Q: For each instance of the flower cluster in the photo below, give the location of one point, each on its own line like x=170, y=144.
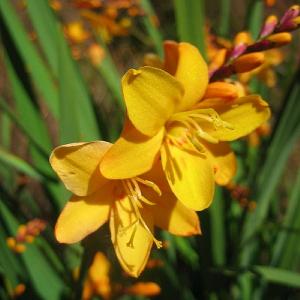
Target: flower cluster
x=246, y=55
x=26, y=234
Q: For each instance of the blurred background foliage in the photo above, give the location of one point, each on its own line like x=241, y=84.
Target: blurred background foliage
x=61, y=62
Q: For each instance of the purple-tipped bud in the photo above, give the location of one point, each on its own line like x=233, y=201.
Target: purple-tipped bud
x=286, y=23
x=269, y=26
x=238, y=50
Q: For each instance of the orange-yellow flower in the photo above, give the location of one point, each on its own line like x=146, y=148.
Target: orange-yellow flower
x=168, y=119
x=124, y=203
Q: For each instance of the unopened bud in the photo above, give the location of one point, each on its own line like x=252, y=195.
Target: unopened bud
x=270, y=3
x=286, y=22
x=221, y=90
x=242, y=38
x=19, y=290
x=96, y=54
x=20, y=248
x=217, y=61
x=248, y=62
x=146, y=289
x=29, y=238
x=11, y=242
x=269, y=26
x=280, y=39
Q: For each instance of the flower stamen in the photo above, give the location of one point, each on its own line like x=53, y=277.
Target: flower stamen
x=135, y=197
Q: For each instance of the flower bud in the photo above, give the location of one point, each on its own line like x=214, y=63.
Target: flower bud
x=217, y=61
x=242, y=38
x=221, y=90
x=147, y=289
x=248, y=62
x=280, y=39
x=269, y=26
x=96, y=54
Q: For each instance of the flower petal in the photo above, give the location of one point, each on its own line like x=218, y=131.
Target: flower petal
x=131, y=240
x=83, y=215
x=132, y=154
x=185, y=62
x=77, y=166
x=151, y=96
x=244, y=114
x=171, y=215
x=223, y=161
x=190, y=176
x=168, y=212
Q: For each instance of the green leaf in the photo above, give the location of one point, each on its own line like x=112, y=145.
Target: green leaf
x=77, y=117
x=255, y=17
x=217, y=229
x=190, y=21
x=38, y=71
x=279, y=276
x=224, y=23
x=47, y=29
x=153, y=32
x=19, y=164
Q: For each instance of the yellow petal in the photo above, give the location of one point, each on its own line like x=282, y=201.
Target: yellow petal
x=77, y=165
x=83, y=215
x=185, y=62
x=131, y=240
x=151, y=96
x=132, y=154
x=244, y=115
x=168, y=212
x=171, y=215
x=190, y=176
x=223, y=161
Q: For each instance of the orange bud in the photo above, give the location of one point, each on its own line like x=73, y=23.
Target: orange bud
x=96, y=54
x=242, y=38
x=29, y=238
x=264, y=129
x=22, y=230
x=20, y=248
x=146, y=289
x=218, y=60
x=221, y=90
x=11, y=243
x=248, y=62
x=253, y=139
x=270, y=2
x=153, y=263
x=19, y=290
x=56, y=5
x=280, y=39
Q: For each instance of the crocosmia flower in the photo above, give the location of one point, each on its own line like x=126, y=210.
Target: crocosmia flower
x=169, y=120
x=132, y=205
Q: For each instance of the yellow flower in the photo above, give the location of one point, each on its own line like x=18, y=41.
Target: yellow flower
x=167, y=117
x=124, y=203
